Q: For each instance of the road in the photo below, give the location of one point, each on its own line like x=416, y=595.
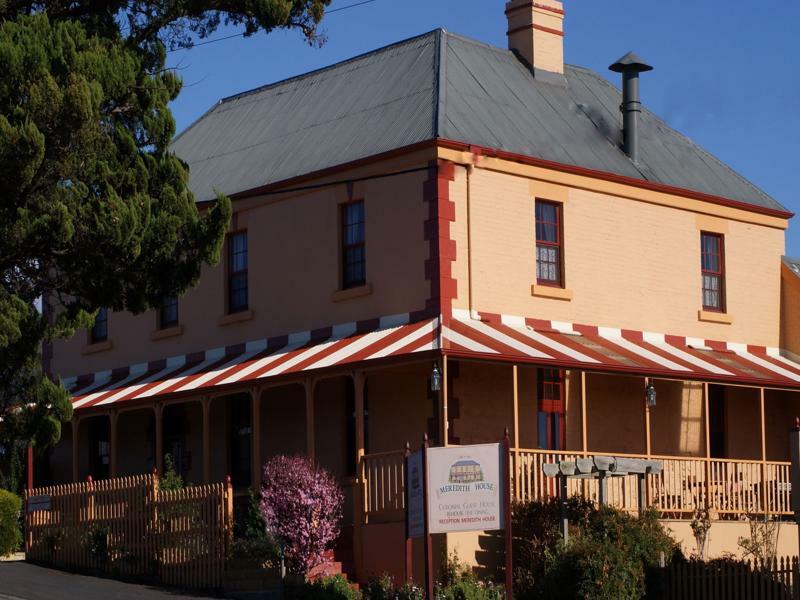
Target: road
x=23, y=581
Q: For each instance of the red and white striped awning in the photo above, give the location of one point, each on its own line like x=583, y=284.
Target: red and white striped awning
x=502, y=337
x=485, y=336
x=258, y=360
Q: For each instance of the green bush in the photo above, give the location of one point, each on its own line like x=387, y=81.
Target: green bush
x=250, y=537
x=410, y=591
x=607, y=557
x=332, y=587
x=379, y=588
x=96, y=541
x=538, y=538
x=10, y=534
x=458, y=582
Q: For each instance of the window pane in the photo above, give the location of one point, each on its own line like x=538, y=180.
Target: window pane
x=99, y=332
x=543, y=441
x=353, y=252
x=238, y=252
x=169, y=313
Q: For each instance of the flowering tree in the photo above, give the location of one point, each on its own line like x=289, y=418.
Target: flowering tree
x=302, y=507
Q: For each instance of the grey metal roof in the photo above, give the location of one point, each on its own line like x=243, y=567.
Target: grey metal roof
x=792, y=263
x=437, y=85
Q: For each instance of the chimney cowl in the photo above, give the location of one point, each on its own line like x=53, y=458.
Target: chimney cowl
x=630, y=63
x=630, y=66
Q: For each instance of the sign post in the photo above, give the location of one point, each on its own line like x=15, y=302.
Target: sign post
x=507, y=514
x=429, y=586
x=409, y=558
x=457, y=488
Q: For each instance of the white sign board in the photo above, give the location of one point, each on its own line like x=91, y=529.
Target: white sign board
x=38, y=503
x=416, y=496
x=465, y=488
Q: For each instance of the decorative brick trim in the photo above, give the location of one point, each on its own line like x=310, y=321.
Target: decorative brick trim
x=551, y=9
x=441, y=213
x=536, y=27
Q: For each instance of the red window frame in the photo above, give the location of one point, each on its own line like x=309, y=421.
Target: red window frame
x=708, y=273
x=551, y=415
x=556, y=245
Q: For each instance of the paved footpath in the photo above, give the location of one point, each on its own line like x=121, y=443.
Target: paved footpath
x=23, y=581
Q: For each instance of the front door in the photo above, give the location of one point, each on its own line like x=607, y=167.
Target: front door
x=551, y=414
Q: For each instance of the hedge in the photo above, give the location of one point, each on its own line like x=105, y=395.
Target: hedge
x=10, y=535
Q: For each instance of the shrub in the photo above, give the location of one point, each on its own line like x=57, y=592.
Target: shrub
x=302, y=506
x=458, y=582
x=379, y=588
x=10, y=534
x=607, y=559
x=332, y=587
x=410, y=591
x=251, y=539
x=607, y=556
x=538, y=537
x=170, y=480
x=96, y=541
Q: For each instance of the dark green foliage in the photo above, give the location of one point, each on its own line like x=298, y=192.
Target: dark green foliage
x=379, y=588
x=170, y=480
x=607, y=556
x=410, y=591
x=333, y=587
x=458, y=582
x=250, y=537
x=10, y=534
x=12, y=477
x=96, y=541
x=94, y=209
x=537, y=536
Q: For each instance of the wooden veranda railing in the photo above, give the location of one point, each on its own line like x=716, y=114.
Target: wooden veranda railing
x=732, y=488
x=129, y=527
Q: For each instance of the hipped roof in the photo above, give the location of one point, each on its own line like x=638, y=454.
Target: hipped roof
x=438, y=86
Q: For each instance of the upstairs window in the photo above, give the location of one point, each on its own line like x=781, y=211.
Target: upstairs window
x=712, y=266
x=168, y=313
x=237, y=272
x=549, y=244
x=99, y=331
x=354, y=265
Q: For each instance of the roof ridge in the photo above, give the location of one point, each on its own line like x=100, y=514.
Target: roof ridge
x=439, y=109
x=433, y=32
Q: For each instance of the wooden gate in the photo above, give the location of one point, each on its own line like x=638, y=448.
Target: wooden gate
x=127, y=527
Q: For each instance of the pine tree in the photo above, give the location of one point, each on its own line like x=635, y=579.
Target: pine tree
x=95, y=210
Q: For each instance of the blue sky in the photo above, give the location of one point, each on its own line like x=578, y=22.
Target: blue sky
x=727, y=74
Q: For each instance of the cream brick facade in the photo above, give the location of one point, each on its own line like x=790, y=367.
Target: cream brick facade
x=628, y=263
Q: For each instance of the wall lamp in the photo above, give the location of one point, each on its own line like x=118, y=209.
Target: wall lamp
x=650, y=395
x=436, y=378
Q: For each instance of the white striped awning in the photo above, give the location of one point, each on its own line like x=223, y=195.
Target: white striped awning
x=511, y=338
x=479, y=335
x=258, y=360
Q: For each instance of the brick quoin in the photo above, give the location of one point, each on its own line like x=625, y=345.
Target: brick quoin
x=442, y=253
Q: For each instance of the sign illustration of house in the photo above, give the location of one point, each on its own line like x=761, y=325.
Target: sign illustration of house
x=465, y=470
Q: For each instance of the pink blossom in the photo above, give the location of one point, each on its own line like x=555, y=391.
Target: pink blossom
x=302, y=506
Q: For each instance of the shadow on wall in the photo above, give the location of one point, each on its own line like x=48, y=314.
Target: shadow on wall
x=490, y=556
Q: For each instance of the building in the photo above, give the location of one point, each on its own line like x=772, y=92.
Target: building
x=441, y=205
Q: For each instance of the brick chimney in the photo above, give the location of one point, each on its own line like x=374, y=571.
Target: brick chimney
x=536, y=32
